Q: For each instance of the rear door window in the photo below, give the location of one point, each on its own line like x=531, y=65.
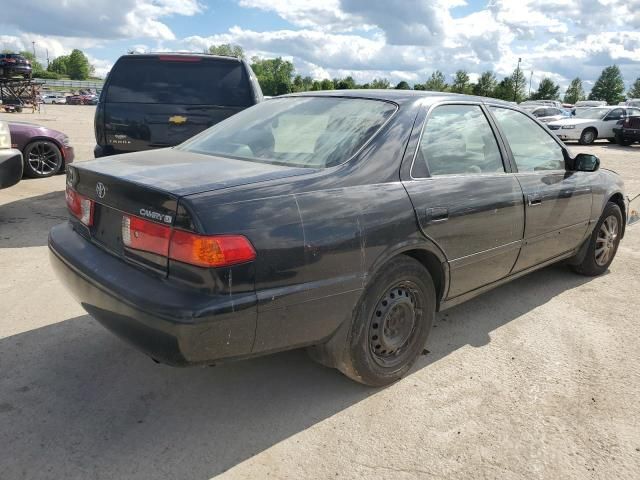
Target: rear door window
x=179, y=81
x=457, y=140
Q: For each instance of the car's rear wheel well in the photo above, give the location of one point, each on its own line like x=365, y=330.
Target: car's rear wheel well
x=618, y=199
x=434, y=267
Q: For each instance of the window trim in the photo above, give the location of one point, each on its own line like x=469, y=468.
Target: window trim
x=506, y=163
x=514, y=165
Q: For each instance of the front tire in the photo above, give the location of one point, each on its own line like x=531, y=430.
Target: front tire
x=42, y=159
x=620, y=140
x=391, y=324
x=603, y=243
x=588, y=136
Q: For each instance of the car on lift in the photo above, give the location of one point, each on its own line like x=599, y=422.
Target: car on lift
x=10, y=159
x=591, y=124
x=14, y=65
x=339, y=221
x=45, y=151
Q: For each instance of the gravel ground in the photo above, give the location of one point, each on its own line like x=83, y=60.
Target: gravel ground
x=536, y=379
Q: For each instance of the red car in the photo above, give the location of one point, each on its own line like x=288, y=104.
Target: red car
x=45, y=151
x=80, y=99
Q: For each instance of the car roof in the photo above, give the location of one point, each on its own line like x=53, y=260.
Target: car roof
x=399, y=96
x=155, y=55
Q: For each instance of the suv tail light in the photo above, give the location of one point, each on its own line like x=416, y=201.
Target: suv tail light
x=80, y=206
x=210, y=251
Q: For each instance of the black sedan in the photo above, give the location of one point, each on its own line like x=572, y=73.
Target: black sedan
x=627, y=131
x=336, y=221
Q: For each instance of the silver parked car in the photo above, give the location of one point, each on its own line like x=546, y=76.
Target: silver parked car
x=545, y=114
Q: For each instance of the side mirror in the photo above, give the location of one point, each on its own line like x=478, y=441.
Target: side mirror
x=585, y=162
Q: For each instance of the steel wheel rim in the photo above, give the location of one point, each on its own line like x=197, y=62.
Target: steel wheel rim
x=393, y=324
x=606, y=240
x=43, y=158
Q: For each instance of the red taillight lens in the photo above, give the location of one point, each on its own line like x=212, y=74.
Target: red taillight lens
x=143, y=235
x=80, y=206
x=210, y=251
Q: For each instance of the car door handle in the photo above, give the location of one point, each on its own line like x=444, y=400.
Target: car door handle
x=436, y=214
x=534, y=199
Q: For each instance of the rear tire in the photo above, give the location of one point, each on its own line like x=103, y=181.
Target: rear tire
x=588, y=136
x=603, y=243
x=390, y=326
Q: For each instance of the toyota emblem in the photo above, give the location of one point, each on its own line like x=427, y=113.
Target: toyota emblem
x=101, y=190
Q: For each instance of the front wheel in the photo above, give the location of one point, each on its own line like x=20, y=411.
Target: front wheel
x=603, y=243
x=391, y=324
x=42, y=158
x=588, y=136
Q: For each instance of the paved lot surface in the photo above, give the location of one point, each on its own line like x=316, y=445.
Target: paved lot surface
x=537, y=379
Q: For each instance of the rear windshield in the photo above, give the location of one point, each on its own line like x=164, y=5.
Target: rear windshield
x=190, y=81
x=313, y=132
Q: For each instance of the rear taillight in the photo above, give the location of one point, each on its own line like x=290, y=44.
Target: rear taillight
x=80, y=206
x=147, y=236
x=210, y=251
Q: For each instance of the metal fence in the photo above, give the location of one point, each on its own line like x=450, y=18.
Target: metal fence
x=75, y=84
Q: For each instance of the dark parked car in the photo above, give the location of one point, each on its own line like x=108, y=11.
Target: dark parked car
x=341, y=223
x=627, y=130
x=10, y=159
x=14, y=64
x=46, y=151
x=161, y=100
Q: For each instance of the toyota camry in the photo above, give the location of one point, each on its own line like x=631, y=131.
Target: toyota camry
x=341, y=222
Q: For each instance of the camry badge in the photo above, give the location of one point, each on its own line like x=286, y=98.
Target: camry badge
x=101, y=190
x=177, y=119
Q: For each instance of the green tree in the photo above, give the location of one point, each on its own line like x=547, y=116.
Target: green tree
x=486, y=84
x=326, y=84
x=380, y=83
x=547, y=90
x=635, y=89
x=437, y=82
x=347, y=83
x=403, y=86
x=227, y=50
x=609, y=87
x=78, y=67
x=461, y=83
x=518, y=86
x=504, y=89
x=574, y=92
x=36, y=66
x=274, y=75
x=59, y=65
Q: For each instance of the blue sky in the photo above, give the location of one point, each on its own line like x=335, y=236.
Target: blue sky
x=395, y=39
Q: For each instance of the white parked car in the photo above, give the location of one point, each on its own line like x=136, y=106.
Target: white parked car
x=545, y=114
x=590, y=124
x=590, y=103
x=633, y=102
x=54, y=98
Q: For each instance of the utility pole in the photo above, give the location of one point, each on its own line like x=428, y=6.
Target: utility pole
x=47, y=58
x=515, y=87
x=530, y=79
x=34, y=49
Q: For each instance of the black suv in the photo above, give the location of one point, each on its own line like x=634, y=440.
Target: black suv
x=14, y=64
x=627, y=130
x=160, y=100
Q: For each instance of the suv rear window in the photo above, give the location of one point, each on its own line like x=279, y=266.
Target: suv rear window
x=179, y=81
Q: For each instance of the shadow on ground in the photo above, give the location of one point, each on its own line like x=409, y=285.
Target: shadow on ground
x=26, y=222
x=76, y=402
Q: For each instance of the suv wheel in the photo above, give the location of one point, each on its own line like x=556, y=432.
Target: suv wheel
x=620, y=140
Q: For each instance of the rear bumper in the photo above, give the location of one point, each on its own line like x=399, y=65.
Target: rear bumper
x=171, y=324
x=7, y=70
x=10, y=167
